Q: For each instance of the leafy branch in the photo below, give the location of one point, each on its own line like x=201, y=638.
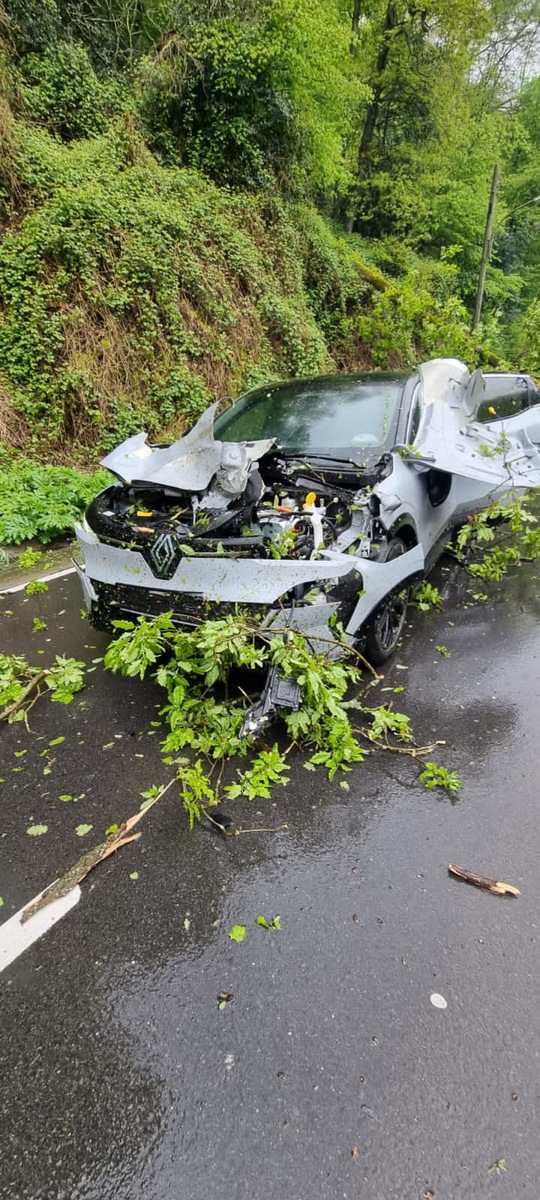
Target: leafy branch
x=21, y=684
x=196, y=666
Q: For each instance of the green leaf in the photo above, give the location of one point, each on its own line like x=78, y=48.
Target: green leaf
x=82, y=830
x=67, y=796
x=36, y=830
x=134, y=875
x=36, y=587
x=273, y=924
x=1, y=902
x=111, y=829
x=237, y=933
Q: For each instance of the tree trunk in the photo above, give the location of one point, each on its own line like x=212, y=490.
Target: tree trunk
x=391, y=21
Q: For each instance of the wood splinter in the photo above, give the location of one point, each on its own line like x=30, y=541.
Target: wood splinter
x=490, y=885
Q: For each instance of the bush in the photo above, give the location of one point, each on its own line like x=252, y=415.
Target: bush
x=42, y=502
x=64, y=93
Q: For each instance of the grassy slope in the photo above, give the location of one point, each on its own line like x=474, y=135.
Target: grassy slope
x=132, y=294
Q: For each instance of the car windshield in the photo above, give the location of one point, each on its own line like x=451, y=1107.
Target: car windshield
x=337, y=413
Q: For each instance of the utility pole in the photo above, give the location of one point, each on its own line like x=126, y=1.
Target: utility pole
x=487, y=248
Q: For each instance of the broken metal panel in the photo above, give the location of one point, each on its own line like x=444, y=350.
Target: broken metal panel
x=280, y=692
x=190, y=463
x=89, y=592
x=472, y=451
x=524, y=425
x=381, y=578
x=443, y=379
x=312, y=621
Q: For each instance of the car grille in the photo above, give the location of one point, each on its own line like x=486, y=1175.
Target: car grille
x=116, y=600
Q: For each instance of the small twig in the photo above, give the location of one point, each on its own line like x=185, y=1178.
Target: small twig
x=275, y=829
x=412, y=751
x=496, y=886
x=30, y=706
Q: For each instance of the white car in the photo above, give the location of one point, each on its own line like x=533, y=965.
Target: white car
x=313, y=501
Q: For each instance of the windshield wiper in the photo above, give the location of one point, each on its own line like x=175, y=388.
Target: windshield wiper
x=305, y=459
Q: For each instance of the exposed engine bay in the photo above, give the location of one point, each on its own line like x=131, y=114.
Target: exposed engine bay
x=280, y=513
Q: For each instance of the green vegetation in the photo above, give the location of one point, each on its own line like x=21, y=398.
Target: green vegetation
x=516, y=520
x=208, y=726
x=426, y=596
x=439, y=777
x=41, y=502
x=194, y=200
x=20, y=684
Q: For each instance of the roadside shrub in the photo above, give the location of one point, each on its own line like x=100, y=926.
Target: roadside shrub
x=42, y=502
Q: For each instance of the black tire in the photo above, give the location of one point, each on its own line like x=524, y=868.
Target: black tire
x=385, y=626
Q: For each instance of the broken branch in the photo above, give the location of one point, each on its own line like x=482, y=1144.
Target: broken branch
x=88, y=861
x=489, y=885
x=6, y=712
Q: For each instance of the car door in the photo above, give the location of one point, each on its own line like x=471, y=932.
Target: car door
x=511, y=405
x=485, y=461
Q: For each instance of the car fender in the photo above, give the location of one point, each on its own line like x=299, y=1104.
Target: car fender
x=381, y=578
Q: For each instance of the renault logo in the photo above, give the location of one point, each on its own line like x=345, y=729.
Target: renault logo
x=164, y=555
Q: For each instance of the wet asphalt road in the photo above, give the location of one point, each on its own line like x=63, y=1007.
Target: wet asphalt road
x=120, y=1077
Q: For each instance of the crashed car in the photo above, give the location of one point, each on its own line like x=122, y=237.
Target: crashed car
x=310, y=503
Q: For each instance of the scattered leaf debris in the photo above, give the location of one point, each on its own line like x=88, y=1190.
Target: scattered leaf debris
x=498, y=1166
x=82, y=830
x=224, y=998
x=36, y=830
x=275, y=923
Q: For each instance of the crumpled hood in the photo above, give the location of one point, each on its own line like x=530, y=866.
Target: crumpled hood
x=190, y=463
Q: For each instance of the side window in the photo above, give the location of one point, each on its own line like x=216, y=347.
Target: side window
x=414, y=419
x=504, y=396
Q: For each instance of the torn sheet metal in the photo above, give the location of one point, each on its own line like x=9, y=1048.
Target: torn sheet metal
x=190, y=463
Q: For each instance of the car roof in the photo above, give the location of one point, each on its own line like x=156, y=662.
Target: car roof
x=338, y=380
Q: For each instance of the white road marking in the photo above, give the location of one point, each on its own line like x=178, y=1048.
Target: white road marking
x=42, y=579
x=15, y=937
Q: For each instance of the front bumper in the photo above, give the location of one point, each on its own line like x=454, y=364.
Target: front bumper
x=117, y=581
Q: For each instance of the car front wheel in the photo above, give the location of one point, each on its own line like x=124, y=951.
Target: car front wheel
x=385, y=627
